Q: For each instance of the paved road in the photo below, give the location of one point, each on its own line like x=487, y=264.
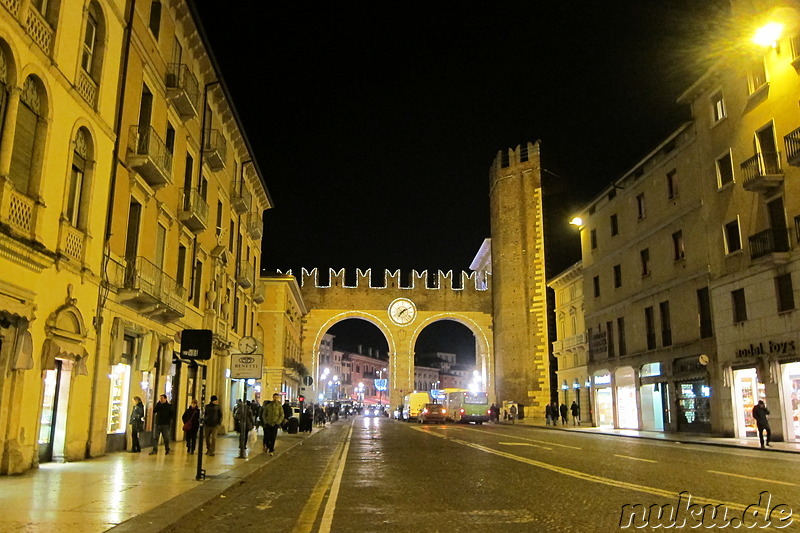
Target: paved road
x=380, y=475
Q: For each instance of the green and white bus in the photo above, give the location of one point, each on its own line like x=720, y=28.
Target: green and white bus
x=465, y=406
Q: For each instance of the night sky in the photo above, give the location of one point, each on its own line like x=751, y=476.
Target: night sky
x=376, y=131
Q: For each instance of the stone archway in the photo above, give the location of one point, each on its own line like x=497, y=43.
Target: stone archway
x=470, y=304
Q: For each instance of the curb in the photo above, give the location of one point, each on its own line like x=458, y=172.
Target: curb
x=661, y=439
x=172, y=511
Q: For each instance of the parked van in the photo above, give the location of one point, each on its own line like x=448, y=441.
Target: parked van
x=414, y=403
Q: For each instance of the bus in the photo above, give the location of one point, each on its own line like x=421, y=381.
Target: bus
x=465, y=406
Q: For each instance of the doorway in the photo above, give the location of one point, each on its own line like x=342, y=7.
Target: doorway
x=53, y=425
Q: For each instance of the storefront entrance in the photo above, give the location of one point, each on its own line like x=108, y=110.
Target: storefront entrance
x=746, y=393
x=694, y=406
x=654, y=399
x=790, y=375
x=627, y=411
x=52, y=430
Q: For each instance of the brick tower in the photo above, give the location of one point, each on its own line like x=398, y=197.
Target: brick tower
x=518, y=277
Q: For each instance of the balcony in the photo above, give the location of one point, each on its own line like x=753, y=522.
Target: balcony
x=214, y=150
x=240, y=199
x=792, y=143
x=143, y=286
x=182, y=90
x=70, y=241
x=148, y=155
x=39, y=30
x=255, y=226
x=244, y=275
x=259, y=292
x=762, y=172
x=194, y=211
x=87, y=88
x=769, y=241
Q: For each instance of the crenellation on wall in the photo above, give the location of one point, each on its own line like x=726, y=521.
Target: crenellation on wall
x=468, y=281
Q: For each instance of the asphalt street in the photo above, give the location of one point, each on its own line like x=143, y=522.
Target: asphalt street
x=377, y=475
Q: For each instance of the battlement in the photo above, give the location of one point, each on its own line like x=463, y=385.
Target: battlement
x=521, y=156
x=391, y=280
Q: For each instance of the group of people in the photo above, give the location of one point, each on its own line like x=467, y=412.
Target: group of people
x=162, y=422
x=552, y=412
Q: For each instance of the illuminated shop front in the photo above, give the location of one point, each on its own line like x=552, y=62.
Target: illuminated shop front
x=790, y=401
x=627, y=412
x=654, y=395
x=603, y=400
x=53, y=424
x=747, y=391
x=692, y=395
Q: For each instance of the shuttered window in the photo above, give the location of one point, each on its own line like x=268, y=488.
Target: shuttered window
x=24, y=143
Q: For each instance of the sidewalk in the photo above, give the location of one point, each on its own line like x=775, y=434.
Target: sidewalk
x=98, y=494
x=687, y=438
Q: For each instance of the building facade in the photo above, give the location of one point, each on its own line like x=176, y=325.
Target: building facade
x=130, y=210
x=571, y=348
x=690, y=260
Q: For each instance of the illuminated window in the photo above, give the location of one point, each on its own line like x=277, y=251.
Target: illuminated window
x=717, y=107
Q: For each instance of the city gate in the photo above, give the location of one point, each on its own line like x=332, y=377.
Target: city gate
x=400, y=313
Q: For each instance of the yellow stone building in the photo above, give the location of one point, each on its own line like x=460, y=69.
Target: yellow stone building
x=58, y=93
x=127, y=214
x=281, y=318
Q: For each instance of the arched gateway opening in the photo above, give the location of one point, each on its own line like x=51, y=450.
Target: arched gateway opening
x=401, y=314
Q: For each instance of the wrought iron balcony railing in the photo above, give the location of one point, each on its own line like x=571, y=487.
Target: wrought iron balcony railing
x=762, y=172
x=183, y=89
x=194, y=211
x=149, y=156
x=214, y=149
x=792, y=143
x=240, y=198
x=769, y=241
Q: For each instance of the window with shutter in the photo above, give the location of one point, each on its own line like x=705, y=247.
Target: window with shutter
x=25, y=137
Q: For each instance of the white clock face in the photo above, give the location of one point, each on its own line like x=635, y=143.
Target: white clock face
x=248, y=345
x=402, y=311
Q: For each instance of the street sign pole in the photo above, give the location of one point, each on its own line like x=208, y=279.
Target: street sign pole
x=244, y=367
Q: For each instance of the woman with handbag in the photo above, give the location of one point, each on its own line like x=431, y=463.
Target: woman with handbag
x=191, y=423
x=137, y=424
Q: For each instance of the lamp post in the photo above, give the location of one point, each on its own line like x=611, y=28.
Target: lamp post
x=379, y=386
x=589, y=397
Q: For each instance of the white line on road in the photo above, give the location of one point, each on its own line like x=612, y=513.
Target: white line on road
x=753, y=478
x=330, y=507
x=635, y=458
x=524, y=444
x=525, y=439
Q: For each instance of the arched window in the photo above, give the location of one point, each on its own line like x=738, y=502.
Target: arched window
x=81, y=165
x=93, y=41
x=25, y=135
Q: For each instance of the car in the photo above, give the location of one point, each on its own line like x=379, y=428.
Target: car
x=433, y=412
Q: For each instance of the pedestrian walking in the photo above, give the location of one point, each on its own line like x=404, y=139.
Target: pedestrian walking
x=760, y=413
x=554, y=410
x=548, y=413
x=246, y=422
x=287, y=414
x=137, y=424
x=576, y=413
x=563, y=410
x=273, y=416
x=191, y=424
x=211, y=421
x=496, y=412
x=162, y=417
x=512, y=411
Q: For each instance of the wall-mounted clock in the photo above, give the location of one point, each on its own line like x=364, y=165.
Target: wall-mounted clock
x=248, y=345
x=402, y=311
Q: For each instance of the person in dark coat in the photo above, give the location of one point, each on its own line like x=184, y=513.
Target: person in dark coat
x=548, y=413
x=137, y=424
x=576, y=413
x=212, y=421
x=287, y=414
x=554, y=410
x=563, y=410
x=162, y=416
x=191, y=423
x=760, y=413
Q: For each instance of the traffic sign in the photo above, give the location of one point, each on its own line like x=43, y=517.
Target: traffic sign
x=196, y=344
x=246, y=366
x=308, y=381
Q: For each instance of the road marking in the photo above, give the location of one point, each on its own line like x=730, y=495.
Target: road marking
x=525, y=438
x=524, y=444
x=305, y=522
x=330, y=507
x=635, y=458
x=590, y=477
x=753, y=478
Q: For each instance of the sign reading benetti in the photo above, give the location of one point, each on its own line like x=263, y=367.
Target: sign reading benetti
x=246, y=366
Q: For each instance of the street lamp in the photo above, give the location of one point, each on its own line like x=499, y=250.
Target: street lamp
x=565, y=388
x=768, y=34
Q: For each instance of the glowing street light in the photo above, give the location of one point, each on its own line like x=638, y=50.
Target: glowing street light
x=768, y=34
x=576, y=221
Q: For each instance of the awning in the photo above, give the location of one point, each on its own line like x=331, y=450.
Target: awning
x=63, y=348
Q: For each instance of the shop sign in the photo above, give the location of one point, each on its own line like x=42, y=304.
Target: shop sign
x=246, y=366
x=602, y=380
x=770, y=348
x=598, y=345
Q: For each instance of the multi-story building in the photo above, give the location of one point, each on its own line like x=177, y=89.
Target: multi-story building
x=690, y=260
x=571, y=348
x=130, y=210
x=58, y=93
x=280, y=318
x=184, y=227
